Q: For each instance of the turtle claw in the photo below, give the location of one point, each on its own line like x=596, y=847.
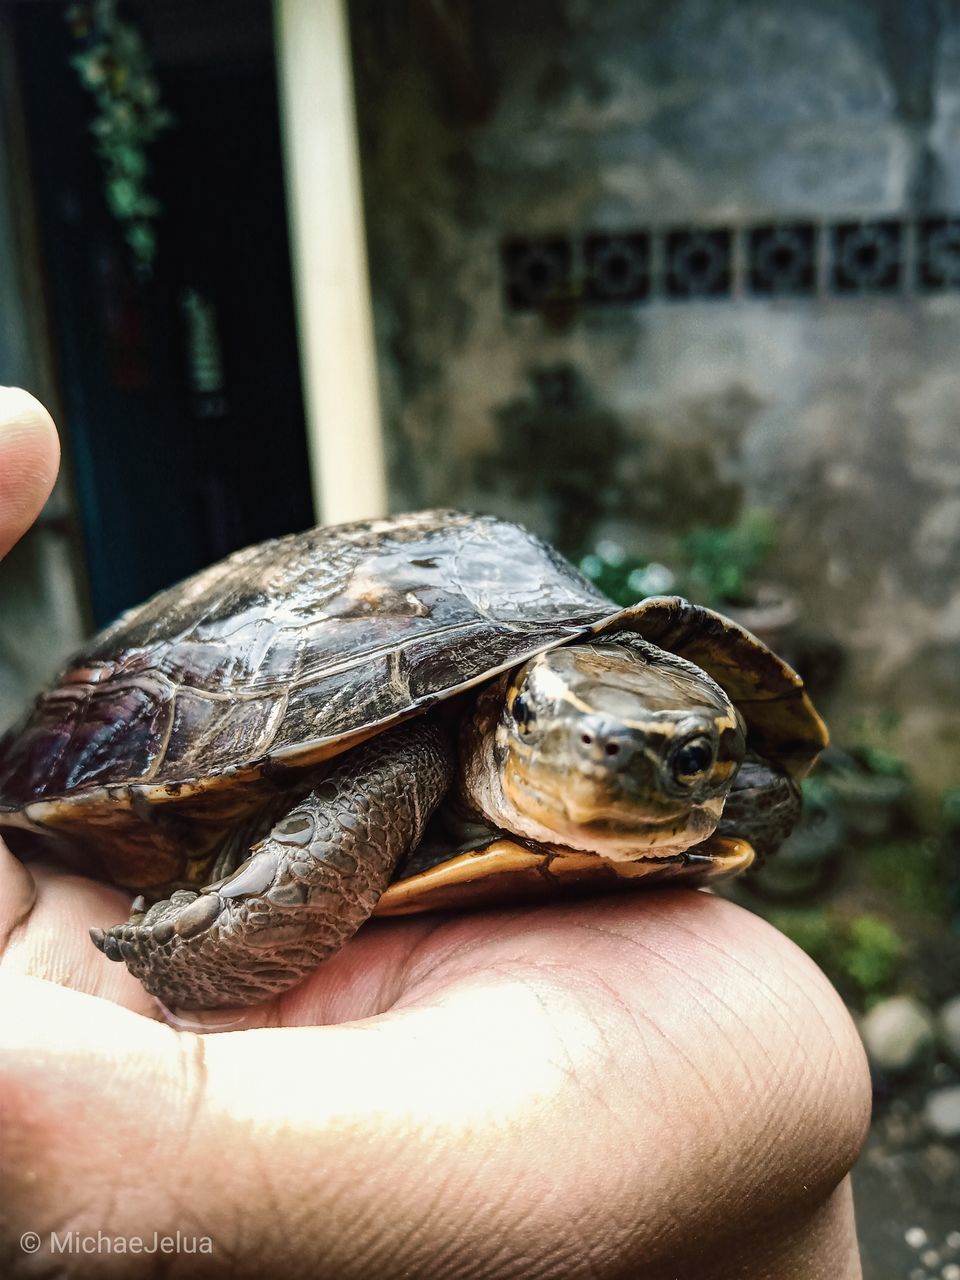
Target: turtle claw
x=107, y=943
x=184, y=915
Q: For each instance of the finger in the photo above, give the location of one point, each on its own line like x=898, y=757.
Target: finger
x=18, y=893
x=44, y=917
x=29, y=458
x=679, y=1080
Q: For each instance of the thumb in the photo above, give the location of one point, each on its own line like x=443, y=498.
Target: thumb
x=29, y=459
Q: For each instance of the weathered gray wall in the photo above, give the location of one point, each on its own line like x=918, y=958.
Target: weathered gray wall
x=842, y=415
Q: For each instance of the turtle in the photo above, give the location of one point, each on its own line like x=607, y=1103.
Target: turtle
x=432, y=710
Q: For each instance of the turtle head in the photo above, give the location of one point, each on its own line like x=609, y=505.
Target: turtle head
x=618, y=748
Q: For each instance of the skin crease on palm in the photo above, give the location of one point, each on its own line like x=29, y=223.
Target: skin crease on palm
x=655, y=1086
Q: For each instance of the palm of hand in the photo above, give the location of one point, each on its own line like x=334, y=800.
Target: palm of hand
x=651, y=1048
x=45, y=913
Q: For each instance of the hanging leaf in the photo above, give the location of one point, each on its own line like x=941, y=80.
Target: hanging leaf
x=113, y=65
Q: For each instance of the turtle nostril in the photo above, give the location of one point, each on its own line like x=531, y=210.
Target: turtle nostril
x=603, y=743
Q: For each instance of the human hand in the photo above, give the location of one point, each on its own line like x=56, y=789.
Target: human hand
x=653, y=1086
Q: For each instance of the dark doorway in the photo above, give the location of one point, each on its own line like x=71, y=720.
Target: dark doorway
x=181, y=392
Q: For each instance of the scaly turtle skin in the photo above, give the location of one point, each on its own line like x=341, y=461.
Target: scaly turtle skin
x=432, y=710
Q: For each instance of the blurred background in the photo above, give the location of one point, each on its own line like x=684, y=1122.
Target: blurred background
x=675, y=284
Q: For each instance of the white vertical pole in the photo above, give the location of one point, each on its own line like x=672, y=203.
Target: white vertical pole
x=328, y=249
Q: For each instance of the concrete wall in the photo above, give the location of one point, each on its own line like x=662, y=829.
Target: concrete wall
x=838, y=413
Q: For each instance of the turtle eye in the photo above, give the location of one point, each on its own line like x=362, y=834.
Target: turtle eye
x=692, y=760
x=523, y=713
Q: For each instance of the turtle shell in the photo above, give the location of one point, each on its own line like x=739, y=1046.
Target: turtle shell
x=293, y=650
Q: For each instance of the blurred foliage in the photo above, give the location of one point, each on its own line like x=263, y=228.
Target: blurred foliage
x=871, y=953
x=877, y=918
x=114, y=67
x=862, y=955
x=879, y=762
x=624, y=578
x=910, y=869
x=713, y=565
x=871, y=788
x=810, y=928
x=817, y=793
x=951, y=809
x=719, y=563
x=872, y=749
x=892, y=863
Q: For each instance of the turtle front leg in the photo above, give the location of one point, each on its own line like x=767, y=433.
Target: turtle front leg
x=306, y=887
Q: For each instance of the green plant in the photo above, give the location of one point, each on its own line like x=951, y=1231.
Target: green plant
x=717, y=564
x=817, y=793
x=811, y=929
x=720, y=560
x=872, y=744
x=623, y=577
x=872, y=954
x=951, y=809
x=872, y=789
x=861, y=955
x=908, y=869
x=114, y=67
